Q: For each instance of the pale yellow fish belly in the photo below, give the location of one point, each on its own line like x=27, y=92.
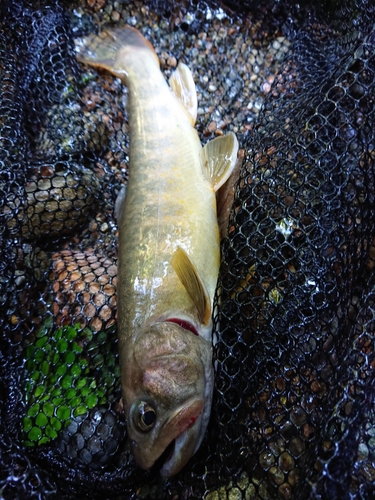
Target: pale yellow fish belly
x=168, y=204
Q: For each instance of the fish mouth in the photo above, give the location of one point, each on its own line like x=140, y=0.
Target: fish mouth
x=166, y=456
x=176, y=442
x=180, y=450
x=184, y=428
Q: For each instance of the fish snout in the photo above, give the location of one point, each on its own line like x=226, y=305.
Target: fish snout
x=174, y=441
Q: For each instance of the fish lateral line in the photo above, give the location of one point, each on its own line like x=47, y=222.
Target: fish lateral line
x=186, y=325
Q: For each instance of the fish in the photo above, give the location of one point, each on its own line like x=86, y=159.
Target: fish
x=168, y=252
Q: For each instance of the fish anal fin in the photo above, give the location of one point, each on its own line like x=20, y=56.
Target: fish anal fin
x=189, y=277
x=225, y=196
x=218, y=158
x=183, y=86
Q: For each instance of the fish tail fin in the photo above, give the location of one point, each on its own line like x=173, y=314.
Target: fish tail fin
x=110, y=49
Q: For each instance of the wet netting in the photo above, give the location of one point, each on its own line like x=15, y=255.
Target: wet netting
x=293, y=411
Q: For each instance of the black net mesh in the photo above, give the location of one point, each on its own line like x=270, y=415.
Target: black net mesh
x=295, y=306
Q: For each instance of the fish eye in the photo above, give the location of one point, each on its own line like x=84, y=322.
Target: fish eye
x=144, y=417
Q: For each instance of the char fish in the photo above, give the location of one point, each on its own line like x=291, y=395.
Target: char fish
x=169, y=252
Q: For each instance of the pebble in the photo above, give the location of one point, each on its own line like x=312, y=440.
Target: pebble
x=212, y=127
x=172, y=62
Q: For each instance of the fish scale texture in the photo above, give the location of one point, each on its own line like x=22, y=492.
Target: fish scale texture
x=293, y=411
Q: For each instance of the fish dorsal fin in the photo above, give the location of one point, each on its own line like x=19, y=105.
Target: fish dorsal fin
x=189, y=277
x=218, y=159
x=183, y=86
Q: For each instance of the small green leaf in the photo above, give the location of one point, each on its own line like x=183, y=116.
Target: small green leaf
x=41, y=420
x=55, y=423
x=55, y=358
x=66, y=382
x=87, y=334
x=83, y=362
x=71, y=333
x=63, y=413
x=56, y=392
x=39, y=356
x=76, y=370
x=76, y=348
x=30, y=365
x=61, y=345
x=75, y=402
x=61, y=370
x=91, y=401
x=27, y=424
x=85, y=391
x=80, y=410
x=45, y=367
x=35, y=434
x=98, y=361
x=81, y=383
x=41, y=342
x=39, y=390
x=101, y=338
x=33, y=410
x=70, y=358
x=50, y=432
x=43, y=440
x=29, y=351
x=58, y=334
x=48, y=409
x=70, y=393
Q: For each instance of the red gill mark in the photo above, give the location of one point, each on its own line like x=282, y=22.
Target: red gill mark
x=192, y=421
x=184, y=324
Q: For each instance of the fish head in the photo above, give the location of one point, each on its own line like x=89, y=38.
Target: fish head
x=167, y=392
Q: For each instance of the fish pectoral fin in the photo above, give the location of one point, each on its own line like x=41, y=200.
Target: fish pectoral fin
x=218, y=159
x=183, y=86
x=189, y=277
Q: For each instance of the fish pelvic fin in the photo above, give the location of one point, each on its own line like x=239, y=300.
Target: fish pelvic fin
x=120, y=205
x=189, y=277
x=218, y=158
x=106, y=51
x=183, y=86
x=225, y=196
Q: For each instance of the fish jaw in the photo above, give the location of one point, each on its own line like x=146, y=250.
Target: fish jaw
x=185, y=445
x=180, y=429
x=170, y=370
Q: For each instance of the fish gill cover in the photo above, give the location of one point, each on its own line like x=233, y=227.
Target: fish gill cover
x=293, y=404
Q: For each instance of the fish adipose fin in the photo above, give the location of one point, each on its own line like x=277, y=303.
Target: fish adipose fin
x=105, y=51
x=218, y=159
x=183, y=86
x=189, y=277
